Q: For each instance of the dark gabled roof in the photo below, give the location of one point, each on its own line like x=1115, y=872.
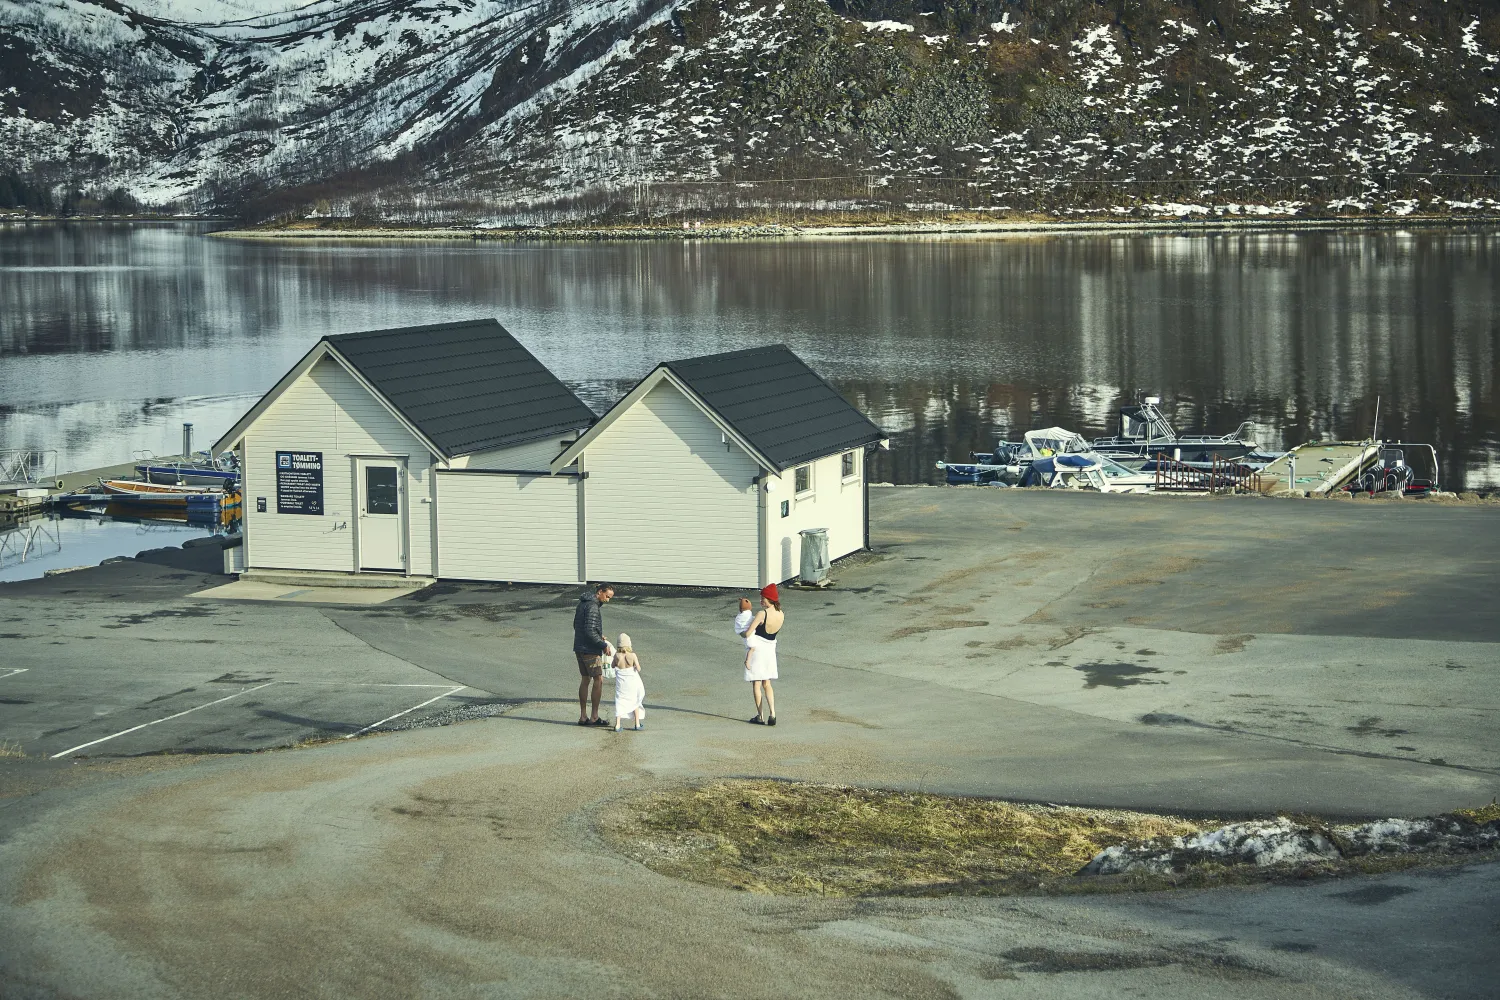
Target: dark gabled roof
x=468, y=386
x=774, y=401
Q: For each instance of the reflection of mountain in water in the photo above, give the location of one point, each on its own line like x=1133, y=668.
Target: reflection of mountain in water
x=949, y=343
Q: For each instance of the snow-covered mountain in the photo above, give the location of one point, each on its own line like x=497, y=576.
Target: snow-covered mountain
x=486, y=110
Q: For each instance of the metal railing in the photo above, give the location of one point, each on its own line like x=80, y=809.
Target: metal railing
x=1220, y=476
x=26, y=465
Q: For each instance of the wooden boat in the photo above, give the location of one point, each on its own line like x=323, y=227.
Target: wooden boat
x=161, y=494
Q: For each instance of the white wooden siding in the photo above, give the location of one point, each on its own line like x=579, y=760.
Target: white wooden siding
x=327, y=410
x=534, y=455
x=666, y=501
x=520, y=529
x=836, y=505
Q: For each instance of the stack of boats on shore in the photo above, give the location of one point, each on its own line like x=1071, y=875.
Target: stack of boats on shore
x=200, y=487
x=1132, y=461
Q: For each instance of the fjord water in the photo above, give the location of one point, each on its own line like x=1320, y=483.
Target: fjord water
x=112, y=335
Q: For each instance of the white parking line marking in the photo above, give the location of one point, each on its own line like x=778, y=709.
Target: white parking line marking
x=105, y=739
x=408, y=711
x=16, y=670
x=377, y=684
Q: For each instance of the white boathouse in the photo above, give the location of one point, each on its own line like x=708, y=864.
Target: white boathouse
x=415, y=451
x=451, y=451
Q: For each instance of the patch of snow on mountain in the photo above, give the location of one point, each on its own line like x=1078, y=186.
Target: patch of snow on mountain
x=1097, y=56
x=213, y=11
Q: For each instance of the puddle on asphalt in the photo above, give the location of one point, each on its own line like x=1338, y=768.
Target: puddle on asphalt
x=1115, y=675
x=1373, y=895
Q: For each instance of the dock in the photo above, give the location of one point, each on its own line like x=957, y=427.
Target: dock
x=20, y=499
x=1320, y=467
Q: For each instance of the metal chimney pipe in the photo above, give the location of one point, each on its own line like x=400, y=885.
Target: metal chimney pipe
x=187, y=442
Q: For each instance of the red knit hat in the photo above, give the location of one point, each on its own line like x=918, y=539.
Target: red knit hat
x=769, y=593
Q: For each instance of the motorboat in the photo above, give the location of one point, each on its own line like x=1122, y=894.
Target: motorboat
x=202, y=470
x=1145, y=433
x=1008, y=463
x=1389, y=470
x=1078, y=471
x=1050, y=456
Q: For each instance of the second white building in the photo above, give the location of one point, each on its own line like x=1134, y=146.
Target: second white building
x=708, y=470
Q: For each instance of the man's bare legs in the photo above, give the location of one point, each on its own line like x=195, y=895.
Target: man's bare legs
x=583, y=697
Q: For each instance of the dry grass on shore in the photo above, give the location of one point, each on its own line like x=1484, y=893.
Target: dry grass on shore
x=800, y=838
x=811, y=839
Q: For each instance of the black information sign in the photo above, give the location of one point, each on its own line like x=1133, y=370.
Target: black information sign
x=299, y=482
x=260, y=505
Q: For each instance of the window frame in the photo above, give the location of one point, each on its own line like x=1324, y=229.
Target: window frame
x=852, y=456
x=394, y=502
x=811, y=482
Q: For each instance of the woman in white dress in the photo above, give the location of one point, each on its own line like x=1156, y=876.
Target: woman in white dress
x=630, y=690
x=760, y=665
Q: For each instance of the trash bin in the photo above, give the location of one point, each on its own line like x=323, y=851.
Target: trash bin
x=814, y=557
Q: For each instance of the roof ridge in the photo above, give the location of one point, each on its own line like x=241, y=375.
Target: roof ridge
x=421, y=328
x=480, y=384
x=777, y=402
x=764, y=348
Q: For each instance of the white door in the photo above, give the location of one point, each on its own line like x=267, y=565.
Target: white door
x=381, y=500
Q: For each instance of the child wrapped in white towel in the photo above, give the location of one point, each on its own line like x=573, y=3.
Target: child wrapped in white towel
x=630, y=690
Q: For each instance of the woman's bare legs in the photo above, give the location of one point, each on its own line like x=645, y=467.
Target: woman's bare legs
x=770, y=699
x=755, y=690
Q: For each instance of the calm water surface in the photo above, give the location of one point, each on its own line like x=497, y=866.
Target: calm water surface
x=112, y=335
x=52, y=541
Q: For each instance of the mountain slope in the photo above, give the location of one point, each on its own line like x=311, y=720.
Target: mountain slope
x=498, y=110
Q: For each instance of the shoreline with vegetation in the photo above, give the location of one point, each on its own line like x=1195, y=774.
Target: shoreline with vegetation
x=812, y=229
x=803, y=228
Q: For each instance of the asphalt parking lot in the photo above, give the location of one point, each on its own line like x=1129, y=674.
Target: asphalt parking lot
x=148, y=850
x=94, y=673
x=1077, y=606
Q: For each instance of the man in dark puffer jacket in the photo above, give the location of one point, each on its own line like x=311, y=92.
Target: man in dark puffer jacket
x=589, y=645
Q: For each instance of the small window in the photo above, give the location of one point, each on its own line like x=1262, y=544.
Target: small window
x=851, y=468
x=803, y=480
x=786, y=508
x=381, y=491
